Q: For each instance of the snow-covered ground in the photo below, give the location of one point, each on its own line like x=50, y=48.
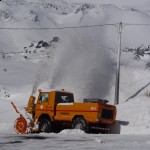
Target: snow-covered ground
x=73, y=140
x=79, y=60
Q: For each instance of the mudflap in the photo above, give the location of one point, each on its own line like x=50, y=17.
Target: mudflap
x=21, y=126
x=115, y=129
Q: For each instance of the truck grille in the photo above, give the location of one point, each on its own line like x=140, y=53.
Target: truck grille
x=107, y=114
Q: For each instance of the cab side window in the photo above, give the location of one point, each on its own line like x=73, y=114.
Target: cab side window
x=64, y=98
x=43, y=98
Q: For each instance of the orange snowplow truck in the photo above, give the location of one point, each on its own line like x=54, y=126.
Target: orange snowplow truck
x=56, y=110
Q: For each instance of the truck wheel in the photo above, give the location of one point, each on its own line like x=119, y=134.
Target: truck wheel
x=80, y=123
x=45, y=125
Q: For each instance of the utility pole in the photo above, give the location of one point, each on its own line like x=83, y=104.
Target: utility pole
x=119, y=28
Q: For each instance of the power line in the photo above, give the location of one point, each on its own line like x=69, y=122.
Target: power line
x=135, y=24
x=58, y=28
x=73, y=27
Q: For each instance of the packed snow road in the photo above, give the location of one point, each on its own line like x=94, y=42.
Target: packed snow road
x=73, y=140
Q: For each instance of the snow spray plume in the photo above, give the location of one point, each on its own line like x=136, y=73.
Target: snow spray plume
x=83, y=66
x=39, y=77
x=45, y=64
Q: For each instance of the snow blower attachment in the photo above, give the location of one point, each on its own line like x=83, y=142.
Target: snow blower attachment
x=25, y=123
x=21, y=126
x=56, y=110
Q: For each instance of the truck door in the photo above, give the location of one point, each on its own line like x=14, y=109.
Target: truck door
x=63, y=105
x=42, y=103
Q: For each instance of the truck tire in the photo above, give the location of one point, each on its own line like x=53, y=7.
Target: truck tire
x=45, y=125
x=80, y=123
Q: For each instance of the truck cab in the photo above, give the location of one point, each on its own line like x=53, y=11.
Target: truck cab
x=47, y=102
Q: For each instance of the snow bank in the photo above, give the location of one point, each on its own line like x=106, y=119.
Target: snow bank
x=134, y=116
x=6, y=128
x=72, y=132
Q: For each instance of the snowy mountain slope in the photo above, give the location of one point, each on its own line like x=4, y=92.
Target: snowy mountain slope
x=136, y=4
x=79, y=60
x=60, y=13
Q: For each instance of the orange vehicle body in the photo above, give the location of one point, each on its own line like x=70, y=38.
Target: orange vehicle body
x=57, y=109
